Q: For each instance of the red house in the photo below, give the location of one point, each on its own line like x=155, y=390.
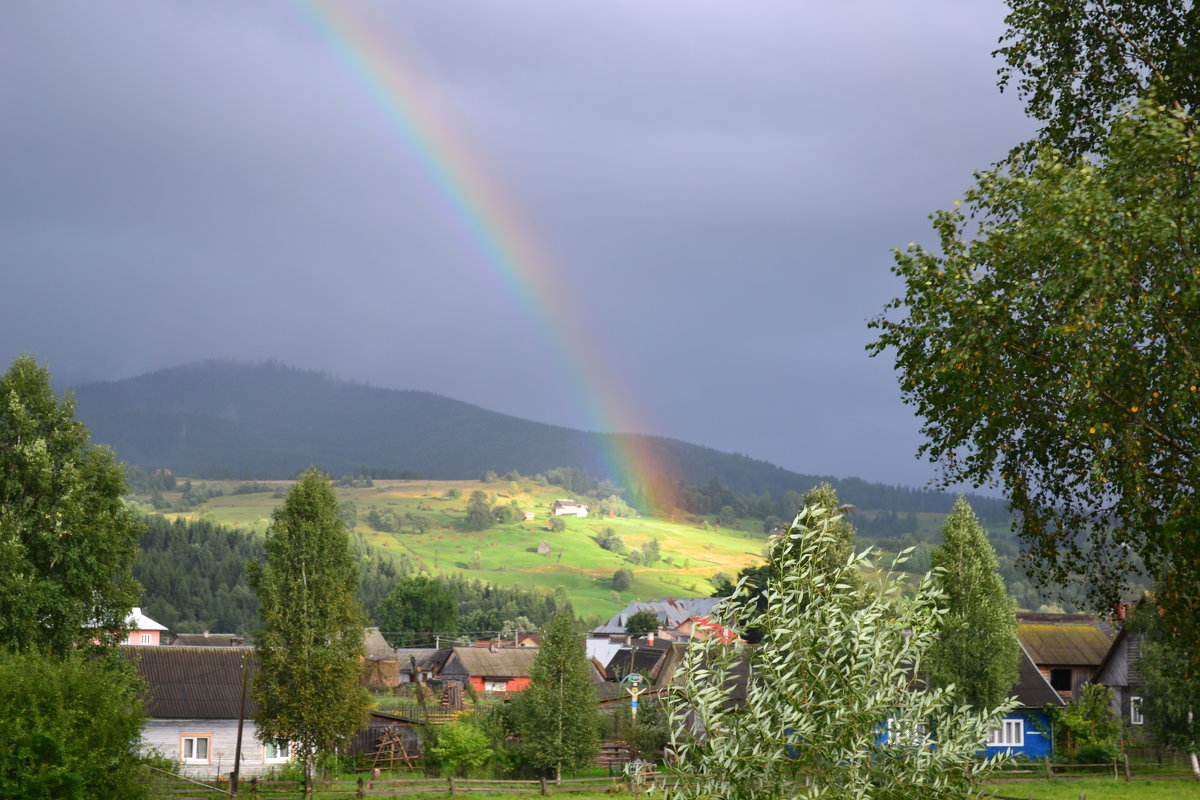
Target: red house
x=491, y=669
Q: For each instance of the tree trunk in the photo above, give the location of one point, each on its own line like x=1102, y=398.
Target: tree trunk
x=1195, y=765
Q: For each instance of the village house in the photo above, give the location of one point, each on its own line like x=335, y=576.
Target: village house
x=677, y=617
x=1026, y=730
x=1120, y=672
x=142, y=630
x=491, y=669
x=193, y=697
x=568, y=508
x=1067, y=648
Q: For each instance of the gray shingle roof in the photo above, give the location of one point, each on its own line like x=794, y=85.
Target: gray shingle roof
x=1063, y=639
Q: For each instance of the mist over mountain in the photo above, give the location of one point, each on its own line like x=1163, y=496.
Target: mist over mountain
x=223, y=419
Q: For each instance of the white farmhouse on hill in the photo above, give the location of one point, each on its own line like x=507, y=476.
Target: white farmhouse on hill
x=568, y=508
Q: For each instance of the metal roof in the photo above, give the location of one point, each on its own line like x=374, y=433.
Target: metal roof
x=671, y=611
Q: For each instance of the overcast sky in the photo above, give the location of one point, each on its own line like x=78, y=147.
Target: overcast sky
x=719, y=185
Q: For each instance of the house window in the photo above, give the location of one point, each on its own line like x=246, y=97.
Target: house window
x=1011, y=733
x=277, y=751
x=194, y=748
x=495, y=686
x=1060, y=679
x=1135, y=711
x=146, y=638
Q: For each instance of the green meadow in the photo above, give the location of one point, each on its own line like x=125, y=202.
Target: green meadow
x=508, y=552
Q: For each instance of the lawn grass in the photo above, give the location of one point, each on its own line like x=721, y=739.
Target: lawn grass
x=1184, y=788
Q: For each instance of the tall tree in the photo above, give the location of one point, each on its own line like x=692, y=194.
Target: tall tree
x=312, y=637
x=1057, y=349
x=67, y=540
x=417, y=608
x=1080, y=63
x=830, y=705
x=977, y=649
x=558, y=716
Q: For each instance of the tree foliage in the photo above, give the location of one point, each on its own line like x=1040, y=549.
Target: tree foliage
x=67, y=540
x=1171, y=699
x=831, y=707
x=417, y=608
x=641, y=623
x=312, y=636
x=977, y=650
x=1080, y=63
x=558, y=716
x=72, y=726
x=479, y=512
x=1057, y=350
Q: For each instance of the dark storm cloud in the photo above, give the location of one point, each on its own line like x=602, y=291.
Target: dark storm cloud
x=719, y=183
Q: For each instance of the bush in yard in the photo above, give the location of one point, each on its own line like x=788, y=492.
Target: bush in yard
x=462, y=746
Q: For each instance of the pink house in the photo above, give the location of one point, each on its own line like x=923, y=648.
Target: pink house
x=142, y=629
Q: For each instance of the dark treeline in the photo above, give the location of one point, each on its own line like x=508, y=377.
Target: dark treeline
x=486, y=607
x=709, y=498
x=193, y=574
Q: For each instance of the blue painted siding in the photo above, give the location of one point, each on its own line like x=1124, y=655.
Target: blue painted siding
x=1036, y=731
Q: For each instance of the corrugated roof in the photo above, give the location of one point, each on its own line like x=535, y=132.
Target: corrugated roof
x=505, y=662
x=1066, y=640
x=671, y=611
x=193, y=682
x=208, y=640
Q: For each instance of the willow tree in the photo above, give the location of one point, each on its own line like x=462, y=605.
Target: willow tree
x=828, y=704
x=977, y=651
x=311, y=641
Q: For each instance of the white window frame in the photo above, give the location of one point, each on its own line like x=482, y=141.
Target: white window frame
x=146, y=638
x=188, y=742
x=286, y=756
x=1135, y=711
x=1011, y=733
x=495, y=686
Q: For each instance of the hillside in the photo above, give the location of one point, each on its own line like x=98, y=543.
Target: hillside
x=218, y=419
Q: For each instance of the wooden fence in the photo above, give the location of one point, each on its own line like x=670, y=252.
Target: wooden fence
x=398, y=787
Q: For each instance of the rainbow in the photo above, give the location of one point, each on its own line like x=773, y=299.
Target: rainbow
x=491, y=220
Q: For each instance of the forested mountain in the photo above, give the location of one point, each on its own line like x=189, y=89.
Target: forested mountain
x=219, y=419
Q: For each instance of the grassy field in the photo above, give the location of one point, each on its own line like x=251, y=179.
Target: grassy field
x=508, y=553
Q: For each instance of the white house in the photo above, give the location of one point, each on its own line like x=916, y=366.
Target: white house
x=568, y=508
x=192, y=702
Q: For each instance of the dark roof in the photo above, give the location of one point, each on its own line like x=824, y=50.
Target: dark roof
x=193, y=682
x=427, y=658
x=208, y=640
x=1063, y=639
x=1032, y=689
x=642, y=660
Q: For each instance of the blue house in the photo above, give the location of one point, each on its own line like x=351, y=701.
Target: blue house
x=1026, y=731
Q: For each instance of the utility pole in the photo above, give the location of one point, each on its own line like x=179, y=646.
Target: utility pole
x=237, y=754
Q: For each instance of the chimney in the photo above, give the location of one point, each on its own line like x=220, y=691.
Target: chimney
x=650, y=638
